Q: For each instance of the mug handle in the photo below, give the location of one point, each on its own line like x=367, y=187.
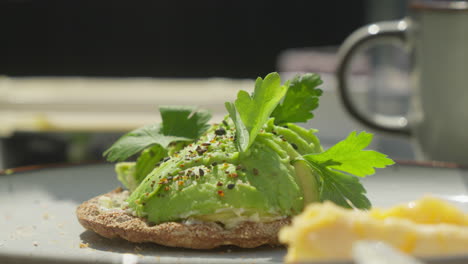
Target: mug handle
x=382, y=31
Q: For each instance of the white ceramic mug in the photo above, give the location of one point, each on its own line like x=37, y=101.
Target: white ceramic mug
x=435, y=34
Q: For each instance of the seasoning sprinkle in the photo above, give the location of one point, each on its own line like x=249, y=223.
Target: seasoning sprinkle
x=238, y=167
x=206, y=144
x=219, y=184
x=180, y=183
x=294, y=146
x=200, y=150
x=220, y=193
x=255, y=171
x=220, y=131
x=225, y=123
x=166, y=159
x=167, y=188
x=233, y=175
x=231, y=186
x=201, y=172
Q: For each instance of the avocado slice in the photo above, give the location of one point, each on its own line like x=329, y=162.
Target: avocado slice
x=308, y=181
x=210, y=181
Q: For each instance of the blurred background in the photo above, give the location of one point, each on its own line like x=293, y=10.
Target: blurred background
x=78, y=74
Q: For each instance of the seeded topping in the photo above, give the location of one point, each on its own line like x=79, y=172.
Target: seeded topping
x=231, y=186
x=166, y=159
x=200, y=150
x=294, y=146
x=201, y=172
x=220, y=131
x=220, y=193
x=219, y=184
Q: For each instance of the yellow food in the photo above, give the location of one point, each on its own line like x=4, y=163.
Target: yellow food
x=427, y=227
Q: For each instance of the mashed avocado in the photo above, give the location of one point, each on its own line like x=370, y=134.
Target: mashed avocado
x=210, y=180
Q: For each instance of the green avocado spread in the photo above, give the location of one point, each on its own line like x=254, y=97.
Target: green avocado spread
x=210, y=180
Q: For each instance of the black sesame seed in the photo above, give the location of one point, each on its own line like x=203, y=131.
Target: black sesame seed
x=214, y=164
x=231, y=186
x=220, y=131
x=200, y=150
x=201, y=172
x=166, y=159
x=255, y=171
x=219, y=184
x=285, y=126
x=206, y=144
x=294, y=146
x=225, y=123
x=274, y=133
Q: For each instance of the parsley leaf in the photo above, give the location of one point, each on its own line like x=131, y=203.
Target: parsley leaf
x=344, y=190
x=302, y=97
x=349, y=157
x=179, y=124
x=255, y=110
x=183, y=121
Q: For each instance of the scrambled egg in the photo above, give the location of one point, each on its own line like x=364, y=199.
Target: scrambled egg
x=427, y=227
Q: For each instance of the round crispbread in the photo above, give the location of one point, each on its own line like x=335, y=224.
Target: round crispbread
x=207, y=235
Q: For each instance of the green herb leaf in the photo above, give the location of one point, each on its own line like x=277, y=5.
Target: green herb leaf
x=347, y=156
x=300, y=100
x=179, y=124
x=344, y=190
x=184, y=121
x=255, y=110
x=137, y=140
x=147, y=161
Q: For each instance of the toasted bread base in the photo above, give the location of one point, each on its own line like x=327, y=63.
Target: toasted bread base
x=118, y=223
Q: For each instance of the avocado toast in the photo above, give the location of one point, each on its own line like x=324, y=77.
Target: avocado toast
x=201, y=186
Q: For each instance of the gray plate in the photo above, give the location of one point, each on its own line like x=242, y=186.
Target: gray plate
x=38, y=222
